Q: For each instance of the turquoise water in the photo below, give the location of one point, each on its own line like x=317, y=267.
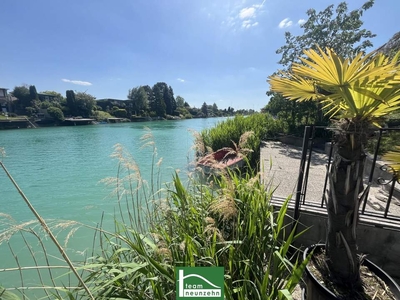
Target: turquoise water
x=60, y=168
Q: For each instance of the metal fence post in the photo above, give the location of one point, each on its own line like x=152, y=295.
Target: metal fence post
x=307, y=134
x=371, y=174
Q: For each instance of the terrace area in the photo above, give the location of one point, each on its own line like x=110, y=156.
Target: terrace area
x=301, y=173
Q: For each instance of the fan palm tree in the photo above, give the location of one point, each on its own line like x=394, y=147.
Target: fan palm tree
x=357, y=94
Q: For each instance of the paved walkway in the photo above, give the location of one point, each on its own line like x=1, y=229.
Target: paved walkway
x=280, y=164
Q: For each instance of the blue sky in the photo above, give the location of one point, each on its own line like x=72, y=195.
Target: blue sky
x=213, y=51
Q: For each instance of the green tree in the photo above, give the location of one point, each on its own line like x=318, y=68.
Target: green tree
x=150, y=97
x=23, y=96
x=180, y=102
x=71, y=102
x=338, y=30
x=360, y=92
x=84, y=104
x=120, y=113
x=159, y=106
x=204, y=109
x=164, y=96
x=58, y=97
x=56, y=113
x=294, y=113
x=215, y=109
x=139, y=98
x=169, y=100
x=33, y=93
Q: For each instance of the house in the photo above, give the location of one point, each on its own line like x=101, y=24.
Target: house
x=104, y=103
x=6, y=101
x=47, y=97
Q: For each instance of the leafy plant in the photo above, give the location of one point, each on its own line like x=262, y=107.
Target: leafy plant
x=360, y=92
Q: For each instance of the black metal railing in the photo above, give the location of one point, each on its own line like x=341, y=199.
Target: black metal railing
x=308, y=149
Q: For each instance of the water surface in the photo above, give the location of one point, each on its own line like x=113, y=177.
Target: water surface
x=60, y=169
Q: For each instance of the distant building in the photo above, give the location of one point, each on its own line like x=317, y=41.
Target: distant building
x=47, y=97
x=6, y=101
x=103, y=103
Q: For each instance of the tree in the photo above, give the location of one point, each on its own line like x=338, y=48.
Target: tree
x=58, y=97
x=169, y=100
x=71, y=102
x=84, y=104
x=215, y=109
x=120, y=113
x=23, y=96
x=33, y=93
x=159, y=106
x=360, y=92
x=204, y=109
x=294, y=113
x=150, y=97
x=180, y=102
x=340, y=32
x=56, y=113
x=164, y=95
x=139, y=97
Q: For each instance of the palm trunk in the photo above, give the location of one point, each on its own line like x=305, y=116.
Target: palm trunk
x=346, y=184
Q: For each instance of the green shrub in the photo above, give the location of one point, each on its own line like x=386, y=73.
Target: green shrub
x=56, y=113
x=100, y=115
x=264, y=126
x=30, y=111
x=120, y=113
x=389, y=142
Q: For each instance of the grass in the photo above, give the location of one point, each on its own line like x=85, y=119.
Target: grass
x=227, y=222
x=228, y=133
x=2, y=117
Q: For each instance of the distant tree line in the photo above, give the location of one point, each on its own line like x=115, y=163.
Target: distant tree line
x=142, y=102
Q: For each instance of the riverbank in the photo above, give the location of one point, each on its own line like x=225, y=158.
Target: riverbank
x=24, y=122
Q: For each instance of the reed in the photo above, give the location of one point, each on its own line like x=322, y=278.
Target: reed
x=229, y=132
x=227, y=222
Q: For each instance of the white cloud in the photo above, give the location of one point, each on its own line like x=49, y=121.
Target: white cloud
x=248, y=24
x=180, y=80
x=78, y=82
x=247, y=12
x=301, y=21
x=285, y=23
x=242, y=16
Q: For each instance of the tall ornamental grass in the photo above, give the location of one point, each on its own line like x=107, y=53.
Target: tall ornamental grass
x=228, y=132
x=227, y=222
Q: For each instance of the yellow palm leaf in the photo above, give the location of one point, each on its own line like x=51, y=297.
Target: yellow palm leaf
x=393, y=157
x=366, y=88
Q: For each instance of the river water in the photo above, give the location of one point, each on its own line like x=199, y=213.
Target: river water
x=60, y=168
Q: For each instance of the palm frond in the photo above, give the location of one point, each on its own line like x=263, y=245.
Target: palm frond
x=393, y=157
x=366, y=87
